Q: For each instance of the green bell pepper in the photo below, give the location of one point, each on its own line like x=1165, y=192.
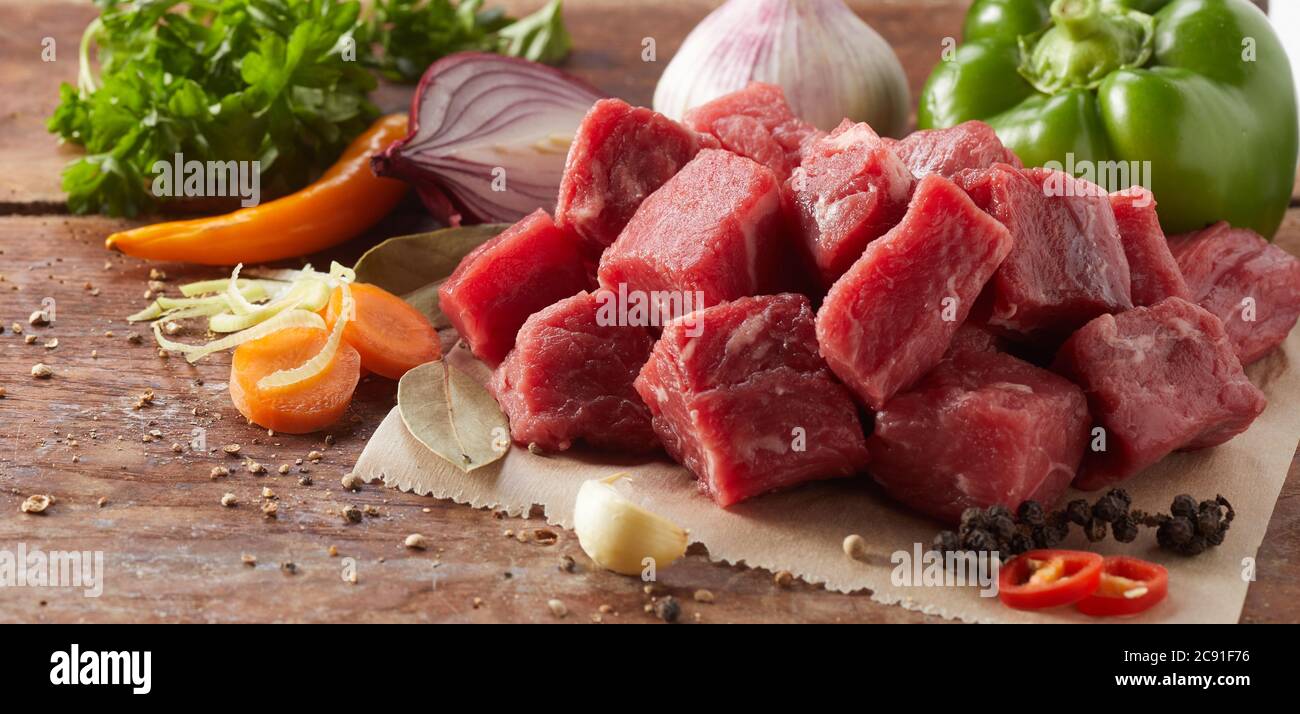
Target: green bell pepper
x=1200, y=89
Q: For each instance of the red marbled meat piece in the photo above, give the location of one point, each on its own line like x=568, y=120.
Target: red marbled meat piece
x=948, y=152
x=849, y=191
x=974, y=338
x=741, y=398
x=1154, y=272
x=569, y=378
x=716, y=228
x=983, y=428
x=755, y=122
x=619, y=156
x=1158, y=379
x=1224, y=266
x=1067, y=266
x=499, y=284
x=890, y=319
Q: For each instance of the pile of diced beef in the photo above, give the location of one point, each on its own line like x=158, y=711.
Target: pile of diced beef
x=771, y=305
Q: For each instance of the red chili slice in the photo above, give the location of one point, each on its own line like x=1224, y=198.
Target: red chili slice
x=1128, y=586
x=1049, y=578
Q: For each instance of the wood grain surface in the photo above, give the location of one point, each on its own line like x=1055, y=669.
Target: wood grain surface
x=173, y=553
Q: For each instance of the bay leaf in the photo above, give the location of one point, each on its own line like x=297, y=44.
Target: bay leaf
x=405, y=264
x=425, y=300
x=453, y=415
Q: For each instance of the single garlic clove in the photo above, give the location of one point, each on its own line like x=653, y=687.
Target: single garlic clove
x=620, y=535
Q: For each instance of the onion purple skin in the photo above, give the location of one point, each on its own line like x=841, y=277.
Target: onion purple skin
x=444, y=183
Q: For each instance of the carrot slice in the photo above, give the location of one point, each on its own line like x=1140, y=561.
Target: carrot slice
x=302, y=407
x=391, y=336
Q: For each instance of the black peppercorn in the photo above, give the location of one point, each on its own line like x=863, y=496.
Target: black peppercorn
x=972, y=518
x=1227, y=517
x=1047, y=537
x=1175, y=532
x=997, y=511
x=978, y=539
x=667, y=609
x=1003, y=527
x=1207, y=522
x=1184, y=506
x=1031, y=513
x=1095, y=530
x=1078, y=512
x=1195, y=546
x=1107, y=509
x=1121, y=495
x=1020, y=543
x=1125, y=529
x=947, y=542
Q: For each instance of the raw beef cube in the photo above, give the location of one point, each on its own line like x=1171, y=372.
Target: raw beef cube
x=569, y=378
x=500, y=283
x=982, y=428
x=741, y=398
x=619, y=156
x=755, y=122
x=849, y=190
x=716, y=231
x=947, y=152
x=890, y=319
x=1236, y=274
x=1067, y=266
x=974, y=338
x=1158, y=379
x=1155, y=274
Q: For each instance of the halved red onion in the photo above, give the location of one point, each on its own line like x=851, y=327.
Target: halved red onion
x=488, y=137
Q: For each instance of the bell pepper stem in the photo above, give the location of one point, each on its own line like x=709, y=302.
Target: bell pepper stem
x=1080, y=19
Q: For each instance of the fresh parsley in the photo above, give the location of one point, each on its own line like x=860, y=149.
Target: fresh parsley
x=283, y=82
x=412, y=34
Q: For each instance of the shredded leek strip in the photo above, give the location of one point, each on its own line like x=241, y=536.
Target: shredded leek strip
x=201, y=311
x=322, y=360
x=207, y=287
x=311, y=294
x=238, y=304
x=282, y=275
x=342, y=273
x=165, y=306
x=284, y=320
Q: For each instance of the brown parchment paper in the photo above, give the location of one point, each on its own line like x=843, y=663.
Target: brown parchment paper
x=802, y=530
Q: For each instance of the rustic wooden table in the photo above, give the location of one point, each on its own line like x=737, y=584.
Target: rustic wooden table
x=173, y=553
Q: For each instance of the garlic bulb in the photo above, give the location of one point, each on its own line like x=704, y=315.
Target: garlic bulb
x=830, y=63
x=618, y=534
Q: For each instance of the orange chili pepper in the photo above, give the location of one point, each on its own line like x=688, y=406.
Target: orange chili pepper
x=343, y=203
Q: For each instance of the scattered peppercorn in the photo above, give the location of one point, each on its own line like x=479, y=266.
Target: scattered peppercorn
x=667, y=609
